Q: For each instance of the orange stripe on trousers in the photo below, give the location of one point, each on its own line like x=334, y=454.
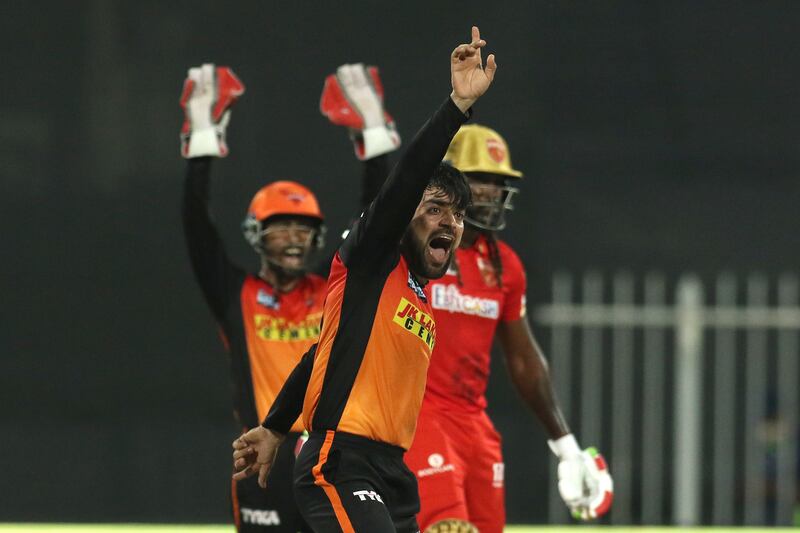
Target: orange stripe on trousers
x=330, y=490
x=235, y=503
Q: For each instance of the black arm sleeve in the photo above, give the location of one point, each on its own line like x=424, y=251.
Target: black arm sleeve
x=376, y=170
x=382, y=225
x=289, y=402
x=215, y=273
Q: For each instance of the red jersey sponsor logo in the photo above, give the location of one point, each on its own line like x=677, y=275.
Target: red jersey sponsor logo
x=437, y=466
x=413, y=320
x=449, y=298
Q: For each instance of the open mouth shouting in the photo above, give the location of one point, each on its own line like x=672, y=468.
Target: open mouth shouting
x=439, y=248
x=293, y=256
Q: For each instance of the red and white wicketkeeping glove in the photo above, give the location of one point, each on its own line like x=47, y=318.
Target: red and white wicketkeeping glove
x=207, y=97
x=353, y=97
x=584, y=482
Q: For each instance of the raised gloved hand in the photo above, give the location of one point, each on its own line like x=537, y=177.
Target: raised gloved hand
x=584, y=482
x=207, y=97
x=353, y=97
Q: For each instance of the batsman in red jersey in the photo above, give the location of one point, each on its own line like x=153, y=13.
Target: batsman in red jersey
x=456, y=454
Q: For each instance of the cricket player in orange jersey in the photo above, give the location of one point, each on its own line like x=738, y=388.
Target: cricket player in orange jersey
x=361, y=387
x=268, y=319
x=456, y=454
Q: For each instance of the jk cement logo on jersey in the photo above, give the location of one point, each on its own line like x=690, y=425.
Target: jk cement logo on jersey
x=449, y=298
x=410, y=318
x=272, y=328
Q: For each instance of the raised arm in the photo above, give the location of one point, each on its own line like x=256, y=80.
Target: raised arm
x=383, y=223
x=213, y=269
x=208, y=93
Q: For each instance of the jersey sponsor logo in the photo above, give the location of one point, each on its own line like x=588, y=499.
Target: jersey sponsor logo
x=449, y=298
x=273, y=328
x=435, y=460
x=498, y=474
x=437, y=466
x=260, y=517
x=416, y=322
x=363, y=495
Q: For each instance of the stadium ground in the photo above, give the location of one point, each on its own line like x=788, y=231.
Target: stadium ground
x=179, y=528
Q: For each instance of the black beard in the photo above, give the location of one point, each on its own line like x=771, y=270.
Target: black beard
x=414, y=251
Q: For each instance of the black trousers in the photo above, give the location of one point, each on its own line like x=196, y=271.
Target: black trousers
x=347, y=483
x=273, y=510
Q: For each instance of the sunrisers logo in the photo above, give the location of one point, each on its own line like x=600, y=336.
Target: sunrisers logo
x=271, y=328
x=415, y=321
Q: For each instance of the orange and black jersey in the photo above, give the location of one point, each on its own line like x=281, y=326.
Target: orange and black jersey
x=366, y=375
x=265, y=333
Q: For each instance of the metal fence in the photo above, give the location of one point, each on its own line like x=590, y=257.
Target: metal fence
x=688, y=386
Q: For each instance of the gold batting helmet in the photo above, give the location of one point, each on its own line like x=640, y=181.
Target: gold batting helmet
x=476, y=148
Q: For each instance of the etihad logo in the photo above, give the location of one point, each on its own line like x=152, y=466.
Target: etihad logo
x=416, y=322
x=437, y=466
x=272, y=328
x=449, y=298
x=260, y=517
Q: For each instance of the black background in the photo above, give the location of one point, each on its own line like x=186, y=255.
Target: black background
x=653, y=135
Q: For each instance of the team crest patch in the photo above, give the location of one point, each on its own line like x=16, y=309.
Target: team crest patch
x=416, y=287
x=496, y=149
x=267, y=300
x=488, y=273
x=410, y=318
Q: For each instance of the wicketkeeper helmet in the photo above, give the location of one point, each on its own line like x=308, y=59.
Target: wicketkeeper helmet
x=281, y=198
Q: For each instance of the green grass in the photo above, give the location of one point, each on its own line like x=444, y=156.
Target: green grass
x=161, y=528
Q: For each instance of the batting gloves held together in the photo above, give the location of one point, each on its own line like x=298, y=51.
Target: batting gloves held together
x=584, y=482
x=208, y=94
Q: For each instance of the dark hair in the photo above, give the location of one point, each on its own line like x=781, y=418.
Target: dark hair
x=452, y=183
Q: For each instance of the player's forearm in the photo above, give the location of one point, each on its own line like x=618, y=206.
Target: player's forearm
x=531, y=379
x=201, y=236
x=376, y=170
x=206, y=251
x=288, y=403
x=400, y=194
